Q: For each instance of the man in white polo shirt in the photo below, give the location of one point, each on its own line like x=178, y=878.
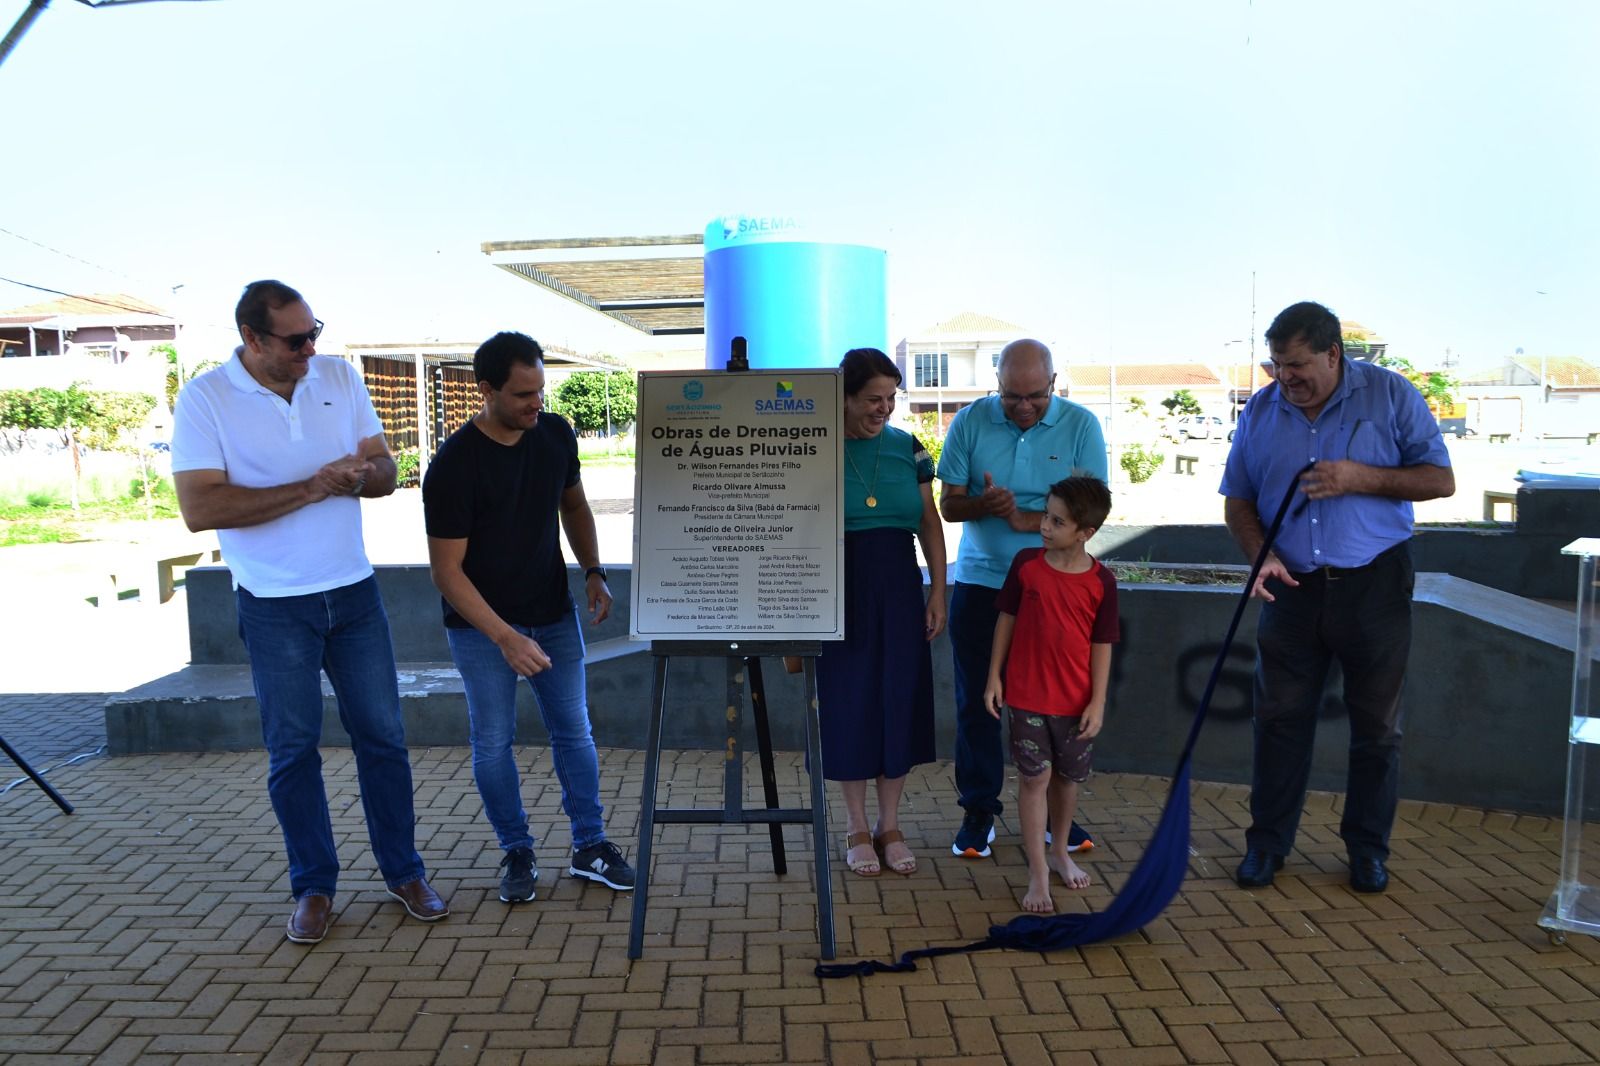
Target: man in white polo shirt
x=273, y=450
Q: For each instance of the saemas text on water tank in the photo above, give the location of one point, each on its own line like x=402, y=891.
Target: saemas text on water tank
x=738, y=530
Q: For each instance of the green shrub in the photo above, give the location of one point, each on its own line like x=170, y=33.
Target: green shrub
x=160, y=489
x=1141, y=463
x=929, y=432
x=406, y=463
x=43, y=498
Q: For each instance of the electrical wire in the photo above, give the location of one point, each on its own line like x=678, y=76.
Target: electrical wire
x=88, y=299
x=74, y=258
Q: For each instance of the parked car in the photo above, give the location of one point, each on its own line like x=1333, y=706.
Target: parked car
x=1197, y=427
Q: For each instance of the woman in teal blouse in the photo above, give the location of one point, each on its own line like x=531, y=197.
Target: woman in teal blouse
x=875, y=689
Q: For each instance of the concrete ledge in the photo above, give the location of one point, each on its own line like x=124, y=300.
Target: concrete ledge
x=213, y=707
x=1485, y=704
x=416, y=618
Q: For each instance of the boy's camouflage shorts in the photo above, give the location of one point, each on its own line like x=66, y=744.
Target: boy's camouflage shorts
x=1041, y=743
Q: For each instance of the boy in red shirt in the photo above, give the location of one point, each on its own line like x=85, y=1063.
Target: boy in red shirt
x=1058, y=620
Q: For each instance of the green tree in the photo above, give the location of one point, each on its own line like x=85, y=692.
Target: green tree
x=81, y=417
x=114, y=422
x=929, y=433
x=1437, y=387
x=176, y=378
x=595, y=400
x=63, y=410
x=1182, y=402
x=169, y=352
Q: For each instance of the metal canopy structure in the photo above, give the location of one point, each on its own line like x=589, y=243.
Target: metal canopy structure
x=655, y=285
x=459, y=354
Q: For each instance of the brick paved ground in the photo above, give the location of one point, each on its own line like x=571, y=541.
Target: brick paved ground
x=148, y=927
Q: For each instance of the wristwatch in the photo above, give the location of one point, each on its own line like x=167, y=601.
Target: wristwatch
x=593, y=570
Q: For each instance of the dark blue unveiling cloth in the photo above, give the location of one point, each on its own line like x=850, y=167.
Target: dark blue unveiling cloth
x=1160, y=872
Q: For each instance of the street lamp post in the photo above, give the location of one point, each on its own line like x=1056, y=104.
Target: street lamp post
x=177, y=335
x=1544, y=385
x=1243, y=385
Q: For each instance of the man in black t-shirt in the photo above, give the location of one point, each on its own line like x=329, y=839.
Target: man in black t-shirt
x=491, y=500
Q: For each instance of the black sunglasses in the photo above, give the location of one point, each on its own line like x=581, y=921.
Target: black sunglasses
x=296, y=341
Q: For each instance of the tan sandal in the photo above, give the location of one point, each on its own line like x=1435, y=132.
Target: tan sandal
x=866, y=867
x=880, y=844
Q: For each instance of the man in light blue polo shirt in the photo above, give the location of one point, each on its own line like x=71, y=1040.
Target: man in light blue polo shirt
x=1337, y=583
x=1000, y=458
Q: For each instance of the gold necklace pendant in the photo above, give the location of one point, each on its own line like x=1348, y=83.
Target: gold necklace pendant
x=872, y=489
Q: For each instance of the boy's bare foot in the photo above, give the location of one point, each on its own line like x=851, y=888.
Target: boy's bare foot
x=1070, y=872
x=1037, y=900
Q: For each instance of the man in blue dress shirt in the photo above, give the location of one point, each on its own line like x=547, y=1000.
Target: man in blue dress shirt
x=1338, y=581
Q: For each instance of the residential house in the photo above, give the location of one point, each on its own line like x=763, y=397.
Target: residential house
x=104, y=340
x=951, y=363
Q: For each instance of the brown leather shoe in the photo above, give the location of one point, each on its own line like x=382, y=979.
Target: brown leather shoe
x=309, y=923
x=420, y=901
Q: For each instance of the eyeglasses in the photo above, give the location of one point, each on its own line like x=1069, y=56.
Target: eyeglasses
x=296, y=341
x=1032, y=397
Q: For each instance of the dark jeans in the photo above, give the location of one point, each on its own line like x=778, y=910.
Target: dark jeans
x=1362, y=617
x=980, y=760
x=292, y=641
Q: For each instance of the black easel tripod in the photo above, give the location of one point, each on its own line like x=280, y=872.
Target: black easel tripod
x=34, y=776
x=743, y=674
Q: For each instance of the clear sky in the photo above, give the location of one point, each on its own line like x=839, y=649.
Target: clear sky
x=1108, y=176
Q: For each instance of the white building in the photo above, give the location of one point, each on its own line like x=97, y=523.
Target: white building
x=951, y=363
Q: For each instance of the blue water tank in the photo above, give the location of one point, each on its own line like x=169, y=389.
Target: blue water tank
x=798, y=301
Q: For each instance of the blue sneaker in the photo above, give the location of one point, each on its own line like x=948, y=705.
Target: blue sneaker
x=521, y=875
x=974, y=836
x=1078, y=839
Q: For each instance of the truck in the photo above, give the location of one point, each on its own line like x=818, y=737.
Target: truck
x=1453, y=419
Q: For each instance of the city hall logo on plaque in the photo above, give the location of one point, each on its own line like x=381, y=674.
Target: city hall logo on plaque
x=693, y=390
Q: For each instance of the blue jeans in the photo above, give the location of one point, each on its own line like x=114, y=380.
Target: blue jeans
x=980, y=759
x=562, y=695
x=291, y=640
x=1361, y=617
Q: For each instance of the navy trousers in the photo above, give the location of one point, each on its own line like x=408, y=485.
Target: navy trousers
x=980, y=759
